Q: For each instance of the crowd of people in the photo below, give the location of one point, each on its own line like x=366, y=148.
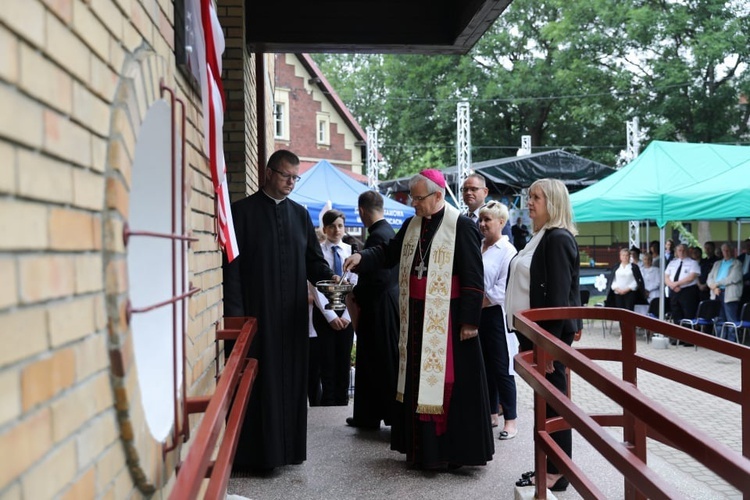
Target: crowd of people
x=691, y=275
x=432, y=309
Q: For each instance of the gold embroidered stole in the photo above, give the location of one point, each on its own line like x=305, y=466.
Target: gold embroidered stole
x=436, y=311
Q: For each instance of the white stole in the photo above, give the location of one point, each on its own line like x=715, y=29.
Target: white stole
x=437, y=311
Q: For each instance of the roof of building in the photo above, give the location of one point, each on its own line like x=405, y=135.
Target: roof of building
x=407, y=26
x=331, y=95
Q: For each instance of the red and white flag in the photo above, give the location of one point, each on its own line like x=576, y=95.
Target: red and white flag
x=208, y=30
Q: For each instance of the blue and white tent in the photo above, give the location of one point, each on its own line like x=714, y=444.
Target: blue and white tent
x=324, y=183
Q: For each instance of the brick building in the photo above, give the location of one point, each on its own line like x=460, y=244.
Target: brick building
x=85, y=131
x=311, y=119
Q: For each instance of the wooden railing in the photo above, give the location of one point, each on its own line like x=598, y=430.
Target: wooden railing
x=229, y=399
x=641, y=417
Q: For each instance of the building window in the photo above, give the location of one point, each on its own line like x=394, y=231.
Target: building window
x=279, y=111
x=322, y=130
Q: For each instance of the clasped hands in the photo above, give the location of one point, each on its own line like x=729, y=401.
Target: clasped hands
x=468, y=332
x=338, y=323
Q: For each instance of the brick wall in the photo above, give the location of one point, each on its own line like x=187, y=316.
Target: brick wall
x=305, y=101
x=240, y=131
x=67, y=135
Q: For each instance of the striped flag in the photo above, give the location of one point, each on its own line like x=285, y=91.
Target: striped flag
x=208, y=30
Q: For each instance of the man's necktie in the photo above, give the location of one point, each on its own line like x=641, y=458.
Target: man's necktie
x=337, y=269
x=677, y=274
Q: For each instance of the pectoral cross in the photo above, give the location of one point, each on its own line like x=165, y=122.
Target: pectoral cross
x=421, y=268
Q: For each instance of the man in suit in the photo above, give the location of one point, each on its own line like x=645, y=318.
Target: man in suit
x=474, y=192
x=377, y=326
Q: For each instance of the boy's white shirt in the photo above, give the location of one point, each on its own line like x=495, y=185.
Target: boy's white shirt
x=320, y=299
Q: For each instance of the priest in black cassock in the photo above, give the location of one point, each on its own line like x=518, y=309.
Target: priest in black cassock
x=279, y=253
x=376, y=295
x=442, y=414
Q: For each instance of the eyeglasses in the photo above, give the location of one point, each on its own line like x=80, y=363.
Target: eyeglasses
x=285, y=176
x=421, y=198
x=470, y=189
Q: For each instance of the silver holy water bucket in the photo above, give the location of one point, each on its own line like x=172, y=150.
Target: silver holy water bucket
x=335, y=293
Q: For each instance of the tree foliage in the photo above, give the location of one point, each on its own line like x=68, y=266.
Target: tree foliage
x=569, y=74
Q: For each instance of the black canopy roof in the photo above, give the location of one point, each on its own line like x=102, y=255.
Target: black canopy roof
x=510, y=175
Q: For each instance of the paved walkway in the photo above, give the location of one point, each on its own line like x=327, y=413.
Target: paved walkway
x=345, y=463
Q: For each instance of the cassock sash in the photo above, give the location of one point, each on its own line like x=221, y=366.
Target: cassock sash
x=436, y=321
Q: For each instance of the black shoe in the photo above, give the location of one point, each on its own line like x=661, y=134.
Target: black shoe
x=362, y=425
x=560, y=485
x=243, y=470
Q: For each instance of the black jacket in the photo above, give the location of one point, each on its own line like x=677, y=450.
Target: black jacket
x=554, y=282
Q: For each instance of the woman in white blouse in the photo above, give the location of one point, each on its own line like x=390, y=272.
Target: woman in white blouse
x=498, y=346
x=626, y=282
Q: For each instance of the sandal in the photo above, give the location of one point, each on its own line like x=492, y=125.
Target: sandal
x=505, y=435
x=524, y=481
x=560, y=485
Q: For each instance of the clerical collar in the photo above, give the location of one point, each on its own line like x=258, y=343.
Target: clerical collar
x=436, y=214
x=274, y=199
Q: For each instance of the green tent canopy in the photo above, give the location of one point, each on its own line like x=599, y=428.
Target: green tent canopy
x=729, y=196
x=672, y=181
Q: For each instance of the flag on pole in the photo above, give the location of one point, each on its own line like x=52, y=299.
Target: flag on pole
x=208, y=31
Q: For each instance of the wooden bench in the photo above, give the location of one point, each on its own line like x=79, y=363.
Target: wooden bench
x=229, y=399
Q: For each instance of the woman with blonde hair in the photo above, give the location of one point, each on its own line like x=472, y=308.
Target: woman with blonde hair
x=545, y=274
x=498, y=346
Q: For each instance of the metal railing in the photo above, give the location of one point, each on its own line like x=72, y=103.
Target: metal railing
x=224, y=409
x=641, y=417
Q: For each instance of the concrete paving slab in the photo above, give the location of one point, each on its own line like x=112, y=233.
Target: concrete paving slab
x=347, y=463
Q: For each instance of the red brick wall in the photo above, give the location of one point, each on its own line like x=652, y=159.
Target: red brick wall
x=303, y=120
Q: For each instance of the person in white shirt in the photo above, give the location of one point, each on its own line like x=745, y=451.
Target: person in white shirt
x=498, y=344
x=334, y=328
x=626, y=282
x=652, y=283
x=681, y=278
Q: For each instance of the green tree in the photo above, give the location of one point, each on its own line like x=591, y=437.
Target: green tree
x=542, y=85
x=700, y=47
x=567, y=73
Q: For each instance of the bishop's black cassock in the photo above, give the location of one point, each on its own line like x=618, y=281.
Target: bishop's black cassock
x=468, y=439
